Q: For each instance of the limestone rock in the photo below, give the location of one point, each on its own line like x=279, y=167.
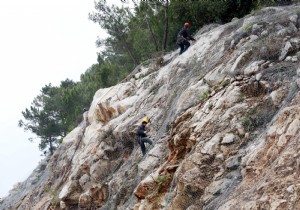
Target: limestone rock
x=258, y=76
x=293, y=28
x=239, y=61
x=291, y=189
x=85, y=200
x=62, y=205
x=218, y=187
x=253, y=38
x=278, y=96
x=293, y=18
x=294, y=59
x=253, y=68
x=287, y=48
x=234, y=19
x=211, y=146
x=298, y=82
x=233, y=162
x=264, y=33
x=229, y=138
x=256, y=28
x=203, y=156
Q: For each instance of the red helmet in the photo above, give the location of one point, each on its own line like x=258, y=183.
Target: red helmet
x=187, y=24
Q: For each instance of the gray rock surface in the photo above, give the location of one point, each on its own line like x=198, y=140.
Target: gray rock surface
x=224, y=133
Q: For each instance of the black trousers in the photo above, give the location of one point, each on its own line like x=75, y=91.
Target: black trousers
x=142, y=141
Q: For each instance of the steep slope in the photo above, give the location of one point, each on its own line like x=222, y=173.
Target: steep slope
x=225, y=122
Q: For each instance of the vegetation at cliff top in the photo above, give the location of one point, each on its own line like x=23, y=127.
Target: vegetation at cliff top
x=135, y=34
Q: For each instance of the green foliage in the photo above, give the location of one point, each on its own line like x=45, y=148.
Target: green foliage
x=201, y=76
x=44, y=119
x=205, y=94
x=224, y=83
x=257, y=117
x=241, y=98
x=54, y=200
x=54, y=195
x=161, y=179
x=134, y=36
x=139, y=33
x=57, y=110
x=210, y=106
x=247, y=27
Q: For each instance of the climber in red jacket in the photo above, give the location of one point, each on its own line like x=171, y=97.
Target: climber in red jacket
x=183, y=37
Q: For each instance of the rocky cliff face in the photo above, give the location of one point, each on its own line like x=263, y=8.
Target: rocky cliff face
x=225, y=125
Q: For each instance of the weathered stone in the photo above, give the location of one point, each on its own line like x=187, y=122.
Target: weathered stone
x=293, y=28
x=288, y=58
x=295, y=42
x=229, y=138
x=291, y=189
x=71, y=191
x=193, y=207
x=239, y=61
x=253, y=68
x=294, y=59
x=264, y=33
x=256, y=28
x=298, y=82
x=236, y=174
x=101, y=165
x=220, y=156
x=234, y=19
x=232, y=43
x=287, y=48
x=62, y=205
x=211, y=146
x=293, y=18
x=233, y=162
x=278, y=96
x=218, y=187
x=283, y=32
x=85, y=200
x=258, y=76
x=279, y=27
x=147, y=164
x=293, y=128
x=84, y=181
x=298, y=72
x=73, y=135
x=187, y=100
x=253, y=38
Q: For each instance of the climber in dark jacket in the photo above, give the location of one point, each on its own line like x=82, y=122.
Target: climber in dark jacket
x=142, y=137
x=183, y=37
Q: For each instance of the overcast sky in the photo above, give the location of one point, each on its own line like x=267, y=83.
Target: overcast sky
x=41, y=42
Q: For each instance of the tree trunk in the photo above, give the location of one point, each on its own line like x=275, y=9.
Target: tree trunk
x=152, y=34
x=166, y=28
x=130, y=52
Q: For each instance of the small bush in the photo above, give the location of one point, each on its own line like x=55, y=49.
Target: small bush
x=240, y=99
x=161, y=179
x=268, y=48
x=55, y=201
x=254, y=89
x=201, y=76
x=247, y=27
x=204, y=95
x=258, y=117
x=224, y=83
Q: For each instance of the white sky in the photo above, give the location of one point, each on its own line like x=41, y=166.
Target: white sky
x=41, y=42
